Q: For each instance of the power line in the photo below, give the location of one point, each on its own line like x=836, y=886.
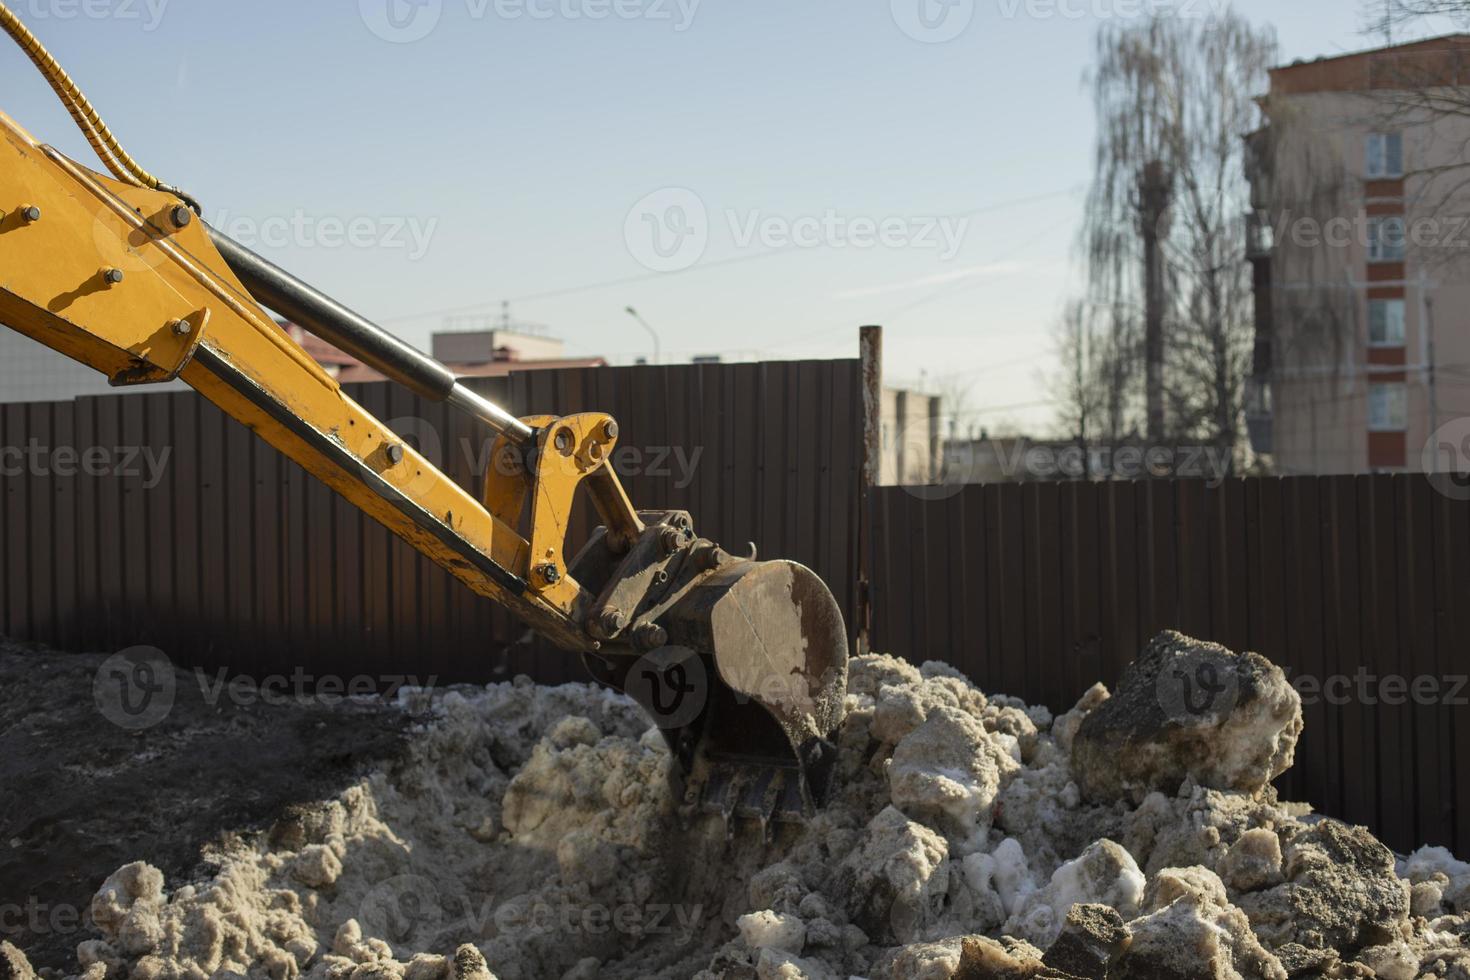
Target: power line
x=700, y=266
x=987, y=369
x=948, y=289
x=992, y=409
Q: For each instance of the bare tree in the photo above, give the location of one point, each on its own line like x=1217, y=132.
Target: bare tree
x=1314, y=287
x=1164, y=235
x=1422, y=93
x=1391, y=18
x=1098, y=353
x=1125, y=206
x=956, y=392
x=1077, y=388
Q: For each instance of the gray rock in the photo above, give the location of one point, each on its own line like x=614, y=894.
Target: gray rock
x=1299, y=961
x=469, y=964
x=895, y=882
x=1195, y=937
x=973, y=958
x=1186, y=709
x=1253, y=861
x=13, y=964
x=1092, y=939
x=1340, y=893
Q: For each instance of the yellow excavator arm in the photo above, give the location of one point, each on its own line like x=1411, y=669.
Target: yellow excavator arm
x=741, y=663
x=126, y=280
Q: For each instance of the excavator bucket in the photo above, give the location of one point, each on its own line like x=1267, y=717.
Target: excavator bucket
x=743, y=667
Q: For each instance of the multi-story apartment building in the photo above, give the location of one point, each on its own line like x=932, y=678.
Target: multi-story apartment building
x=1360, y=242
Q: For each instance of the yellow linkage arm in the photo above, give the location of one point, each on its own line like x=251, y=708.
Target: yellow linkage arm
x=119, y=278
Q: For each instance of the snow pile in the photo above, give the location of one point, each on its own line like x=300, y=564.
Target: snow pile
x=528, y=833
x=1187, y=709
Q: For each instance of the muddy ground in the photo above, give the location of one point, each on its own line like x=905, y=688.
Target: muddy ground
x=83, y=796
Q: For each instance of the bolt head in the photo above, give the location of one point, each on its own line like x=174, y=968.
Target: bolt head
x=181, y=327
x=564, y=442
x=181, y=216
x=611, y=622
x=395, y=454
x=671, y=539
x=651, y=636
x=715, y=557
x=549, y=574
x=30, y=213
x=112, y=276
x=610, y=429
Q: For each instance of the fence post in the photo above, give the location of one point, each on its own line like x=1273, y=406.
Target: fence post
x=871, y=345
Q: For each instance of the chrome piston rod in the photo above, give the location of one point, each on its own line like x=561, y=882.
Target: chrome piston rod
x=313, y=310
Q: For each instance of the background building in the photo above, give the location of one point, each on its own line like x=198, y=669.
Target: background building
x=468, y=353
x=1362, y=258
x=912, y=440
x=30, y=372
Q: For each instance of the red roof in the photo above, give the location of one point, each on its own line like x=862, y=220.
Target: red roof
x=351, y=370
x=492, y=369
x=320, y=351
x=1437, y=61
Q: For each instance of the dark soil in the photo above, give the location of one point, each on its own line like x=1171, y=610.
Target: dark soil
x=81, y=796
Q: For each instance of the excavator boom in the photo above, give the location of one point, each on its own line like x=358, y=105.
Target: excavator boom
x=741, y=663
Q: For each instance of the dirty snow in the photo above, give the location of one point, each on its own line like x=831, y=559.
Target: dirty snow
x=527, y=833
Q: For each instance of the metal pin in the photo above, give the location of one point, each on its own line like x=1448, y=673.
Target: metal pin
x=181, y=327
x=30, y=214
x=112, y=276
x=181, y=216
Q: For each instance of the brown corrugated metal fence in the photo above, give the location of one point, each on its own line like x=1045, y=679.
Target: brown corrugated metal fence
x=1358, y=586
x=237, y=558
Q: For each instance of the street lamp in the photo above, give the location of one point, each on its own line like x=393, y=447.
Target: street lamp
x=657, y=347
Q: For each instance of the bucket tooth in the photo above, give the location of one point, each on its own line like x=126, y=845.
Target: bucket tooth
x=729, y=804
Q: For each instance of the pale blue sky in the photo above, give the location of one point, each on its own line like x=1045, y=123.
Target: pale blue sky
x=504, y=154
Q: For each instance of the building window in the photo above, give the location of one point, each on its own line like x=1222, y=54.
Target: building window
x=1386, y=238
x=1385, y=155
x=1388, y=407
x=1386, y=323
